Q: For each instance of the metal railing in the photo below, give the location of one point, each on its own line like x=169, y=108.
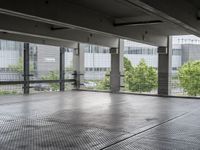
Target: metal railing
x=10, y=86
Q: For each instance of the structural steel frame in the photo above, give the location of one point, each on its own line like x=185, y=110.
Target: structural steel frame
x=26, y=73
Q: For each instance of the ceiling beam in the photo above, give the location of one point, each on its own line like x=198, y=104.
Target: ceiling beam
x=198, y=15
x=38, y=40
x=64, y=14
x=38, y=30
x=179, y=12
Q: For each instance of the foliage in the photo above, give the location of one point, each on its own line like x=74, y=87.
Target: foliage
x=19, y=67
x=140, y=78
x=4, y=92
x=127, y=65
x=104, y=84
x=189, y=77
x=128, y=70
x=52, y=75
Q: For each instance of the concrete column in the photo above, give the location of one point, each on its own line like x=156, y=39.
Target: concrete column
x=117, y=67
x=164, y=68
x=78, y=63
x=26, y=68
x=62, y=69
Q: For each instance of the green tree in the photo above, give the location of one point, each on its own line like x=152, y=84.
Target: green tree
x=127, y=65
x=52, y=75
x=128, y=70
x=17, y=67
x=104, y=84
x=141, y=78
x=189, y=77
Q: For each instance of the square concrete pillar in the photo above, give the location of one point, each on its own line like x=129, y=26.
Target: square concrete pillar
x=164, y=68
x=117, y=67
x=78, y=63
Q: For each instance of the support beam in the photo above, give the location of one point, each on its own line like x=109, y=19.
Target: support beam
x=79, y=65
x=116, y=67
x=37, y=40
x=64, y=14
x=164, y=69
x=38, y=31
x=180, y=12
x=62, y=69
x=26, y=68
x=198, y=15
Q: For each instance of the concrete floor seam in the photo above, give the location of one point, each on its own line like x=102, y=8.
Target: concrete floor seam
x=141, y=132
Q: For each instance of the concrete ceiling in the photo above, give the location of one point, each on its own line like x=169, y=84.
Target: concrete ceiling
x=110, y=8
x=195, y=3
x=101, y=21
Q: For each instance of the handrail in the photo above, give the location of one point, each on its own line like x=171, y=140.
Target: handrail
x=35, y=81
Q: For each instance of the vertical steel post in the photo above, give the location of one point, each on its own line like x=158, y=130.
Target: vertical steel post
x=62, y=69
x=78, y=63
x=26, y=68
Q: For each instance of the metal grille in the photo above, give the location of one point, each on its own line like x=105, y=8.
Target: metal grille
x=136, y=80
x=69, y=68
x=44, y=65
x=11, y=66
x=51, y=133
x=185, y=49
x=97, y=67
x=177, y=134
x=89, y=120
